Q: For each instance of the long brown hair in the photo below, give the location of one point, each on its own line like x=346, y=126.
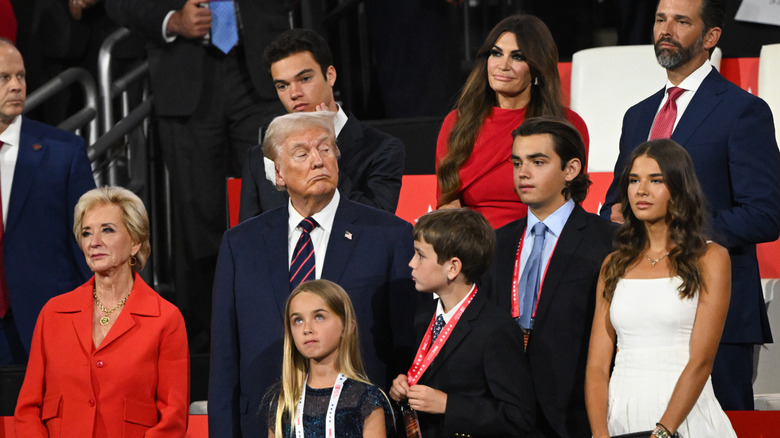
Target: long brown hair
x=686, y=215
x=477, y=99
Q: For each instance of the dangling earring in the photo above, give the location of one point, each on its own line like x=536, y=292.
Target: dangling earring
x=132, y=261
x=536, y=80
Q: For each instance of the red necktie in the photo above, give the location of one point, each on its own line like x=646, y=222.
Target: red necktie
x=664, y=121
x=302, y=265
x=5, y=301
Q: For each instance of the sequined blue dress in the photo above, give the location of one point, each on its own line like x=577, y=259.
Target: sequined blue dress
x=356, y=403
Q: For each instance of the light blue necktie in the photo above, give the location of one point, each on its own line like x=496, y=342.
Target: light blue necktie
x=529, y=281
x=224, y=31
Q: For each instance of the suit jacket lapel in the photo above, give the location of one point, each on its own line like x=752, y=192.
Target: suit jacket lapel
x=459, y=332
x=350, y=136
x=343, y=238
x=646, y=118
x=31, y=153
x=275, y=238
x=81, y=308
x=703, y=102
x=505, y=264
x=568, y=242
x=141, y=302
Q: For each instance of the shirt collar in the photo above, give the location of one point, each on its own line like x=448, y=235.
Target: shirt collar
x=323, y=217
x=554, y=222
x=448, y=315
x=694, y=80
x=11, y=135
x=340, y=121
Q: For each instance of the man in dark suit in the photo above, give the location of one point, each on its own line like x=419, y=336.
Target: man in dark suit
x=730, y=136
x=371, y=164
x=43, y=171
x=549, y=159
x=363, y=249
x=210, y=101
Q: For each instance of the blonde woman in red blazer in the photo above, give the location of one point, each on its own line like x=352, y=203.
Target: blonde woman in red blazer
x=109, y=359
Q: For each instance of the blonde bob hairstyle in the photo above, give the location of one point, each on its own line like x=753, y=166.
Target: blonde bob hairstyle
x=295, y=366
x=134, y=216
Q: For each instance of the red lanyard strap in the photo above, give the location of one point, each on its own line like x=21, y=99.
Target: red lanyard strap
x=427, y=352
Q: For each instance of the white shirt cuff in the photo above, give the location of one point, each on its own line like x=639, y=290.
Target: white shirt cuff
x=168, y=37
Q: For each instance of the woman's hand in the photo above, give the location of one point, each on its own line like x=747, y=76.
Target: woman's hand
x=400, y=388
x=426, y=399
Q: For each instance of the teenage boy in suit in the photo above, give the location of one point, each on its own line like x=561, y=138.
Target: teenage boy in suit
x=469, y=376
x=552, y=295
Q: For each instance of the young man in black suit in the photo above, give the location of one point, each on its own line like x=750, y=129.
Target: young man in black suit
x=371, y=163
x=548, y=281
x=469, y=376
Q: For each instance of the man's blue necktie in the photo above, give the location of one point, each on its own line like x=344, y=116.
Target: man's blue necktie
x=224, y=31
x=302, y=266
x=530, y=280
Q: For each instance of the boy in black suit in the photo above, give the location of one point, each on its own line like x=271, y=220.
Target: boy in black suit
x=469, y=376
x=547, y=266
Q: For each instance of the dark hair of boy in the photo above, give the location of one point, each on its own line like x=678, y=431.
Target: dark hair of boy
x=296, y=41
x=568, y=144
x=461, y=233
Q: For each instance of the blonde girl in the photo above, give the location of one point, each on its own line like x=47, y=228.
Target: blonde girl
x=324, y=390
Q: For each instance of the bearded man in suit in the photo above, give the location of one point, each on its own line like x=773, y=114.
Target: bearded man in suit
x=730, y=136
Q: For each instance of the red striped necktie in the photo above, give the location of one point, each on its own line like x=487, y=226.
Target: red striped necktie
x=302, y=267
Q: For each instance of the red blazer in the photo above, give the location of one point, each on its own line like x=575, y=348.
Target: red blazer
x=136, y=384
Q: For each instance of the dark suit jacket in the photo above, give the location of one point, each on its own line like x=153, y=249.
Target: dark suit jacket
x=252, y=286
x=484, y=373
x=371, y=167
x=558, y=347
x=40, y=253
x=176, y=68
x=730, y=135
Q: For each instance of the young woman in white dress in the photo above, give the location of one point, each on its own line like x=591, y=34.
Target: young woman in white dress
x=661, y=304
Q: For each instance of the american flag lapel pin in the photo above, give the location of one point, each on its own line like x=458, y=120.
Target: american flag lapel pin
x=348, y=235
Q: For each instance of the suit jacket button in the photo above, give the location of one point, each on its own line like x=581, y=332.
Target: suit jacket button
x=91, y=403
x=99, y=364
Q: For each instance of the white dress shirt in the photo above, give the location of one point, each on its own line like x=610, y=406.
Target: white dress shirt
x=8, y=155
x=319, y=235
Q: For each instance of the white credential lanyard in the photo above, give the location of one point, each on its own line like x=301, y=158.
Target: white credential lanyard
x=330, y=417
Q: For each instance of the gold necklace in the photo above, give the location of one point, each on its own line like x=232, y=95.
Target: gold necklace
x=654, y=261
x=105, y=319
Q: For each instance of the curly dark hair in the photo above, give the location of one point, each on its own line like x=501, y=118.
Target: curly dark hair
x=686, y=215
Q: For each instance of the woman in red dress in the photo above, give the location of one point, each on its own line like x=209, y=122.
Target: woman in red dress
x=515, y=76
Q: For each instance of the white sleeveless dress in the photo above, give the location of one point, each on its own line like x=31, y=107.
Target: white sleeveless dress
x=653, y=327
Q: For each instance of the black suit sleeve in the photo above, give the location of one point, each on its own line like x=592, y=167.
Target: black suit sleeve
x=381, y=183
x=145, y=16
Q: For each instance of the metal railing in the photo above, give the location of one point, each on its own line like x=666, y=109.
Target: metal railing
x=86, y=117
x=128, y=155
